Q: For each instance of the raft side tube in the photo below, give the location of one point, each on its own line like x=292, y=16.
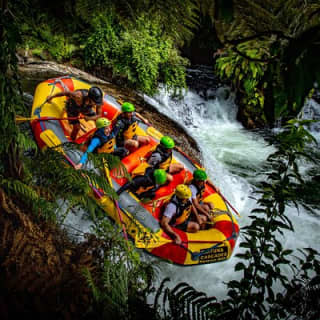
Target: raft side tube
x=137, y=210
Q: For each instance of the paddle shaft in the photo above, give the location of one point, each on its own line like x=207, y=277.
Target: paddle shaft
x=22, y=119
x=121, y=220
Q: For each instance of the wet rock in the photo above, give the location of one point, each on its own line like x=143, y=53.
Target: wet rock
x=27, y=99
x=203, y=81
x=39, y=69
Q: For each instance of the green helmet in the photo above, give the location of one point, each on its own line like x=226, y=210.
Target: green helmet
x=127, y=107
x=200, y=175
x=167, y=142
x=102, y=122
x=160, y=176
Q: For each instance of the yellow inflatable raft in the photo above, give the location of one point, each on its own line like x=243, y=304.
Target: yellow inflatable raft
x=141, y=221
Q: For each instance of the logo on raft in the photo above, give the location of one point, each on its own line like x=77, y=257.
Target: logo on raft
x=216, y=254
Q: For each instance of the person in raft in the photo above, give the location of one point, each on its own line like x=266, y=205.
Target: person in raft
x=177, y=214
x=126, y=125
x=146, y=186
x=81, y=101
x=104, y=141
x=161, y=158
x=197, y=187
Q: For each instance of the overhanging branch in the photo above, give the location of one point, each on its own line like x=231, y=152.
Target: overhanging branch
x=252, y=59
x=279, y=34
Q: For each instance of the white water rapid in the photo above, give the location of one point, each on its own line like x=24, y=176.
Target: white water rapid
x=233, y=158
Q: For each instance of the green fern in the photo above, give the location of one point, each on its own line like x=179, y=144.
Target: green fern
x=18, y=189
x=96, y=293
x=184, y=302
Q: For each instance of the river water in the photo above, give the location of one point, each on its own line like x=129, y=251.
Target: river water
x=235, y=160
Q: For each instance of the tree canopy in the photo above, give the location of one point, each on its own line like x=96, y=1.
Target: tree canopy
x=269, y=51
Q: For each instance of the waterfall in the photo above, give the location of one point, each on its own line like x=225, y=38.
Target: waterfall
x=234, y=159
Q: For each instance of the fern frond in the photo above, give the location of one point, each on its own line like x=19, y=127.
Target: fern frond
x=20, y=189
x=160, y=291
x=26, y=143
x=95, y=291
x=184, y=302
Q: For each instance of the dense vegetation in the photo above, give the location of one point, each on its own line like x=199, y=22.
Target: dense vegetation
x=138, y=41
x=119, y=40
x=44, y=273
x=268, y=51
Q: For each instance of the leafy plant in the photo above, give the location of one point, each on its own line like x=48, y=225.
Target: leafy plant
x=124, y=278
x=177, y=18
x=139, y=52
x=245, y=69
x=102, y=45
x=287, y=32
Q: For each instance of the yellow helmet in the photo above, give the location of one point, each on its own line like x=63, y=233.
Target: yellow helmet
x=183, y=191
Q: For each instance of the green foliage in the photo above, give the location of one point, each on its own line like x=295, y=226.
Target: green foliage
x=287, y=33
x=40, y=38
x=245, y=69
x=101, y=46
x=263, y=261
x=296, y=134
x=140, y=53
x=177, y=18
x=10, y=100
x=263, y=252
x=136, y=40
x=123, y=278
x=18, y=188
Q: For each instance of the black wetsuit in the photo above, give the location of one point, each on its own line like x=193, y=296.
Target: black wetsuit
x=140, y=183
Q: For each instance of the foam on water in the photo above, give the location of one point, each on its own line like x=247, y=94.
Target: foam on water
x=234, y=158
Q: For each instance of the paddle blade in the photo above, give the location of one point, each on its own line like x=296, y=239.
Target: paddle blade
x=154, y=133
x=107, y=172
x=50, y=139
